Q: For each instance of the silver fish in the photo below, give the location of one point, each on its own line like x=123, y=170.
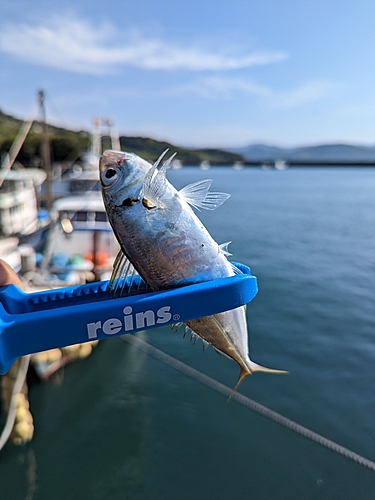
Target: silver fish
x=167, y=244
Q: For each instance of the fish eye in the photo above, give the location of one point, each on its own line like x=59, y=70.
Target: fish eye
x=109, y=173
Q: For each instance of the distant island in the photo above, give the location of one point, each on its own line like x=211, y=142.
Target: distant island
x=323, y=154
x=68, y=146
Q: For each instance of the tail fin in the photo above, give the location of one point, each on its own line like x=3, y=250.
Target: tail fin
x=254, y=367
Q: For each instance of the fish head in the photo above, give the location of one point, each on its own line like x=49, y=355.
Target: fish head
x=121, y=173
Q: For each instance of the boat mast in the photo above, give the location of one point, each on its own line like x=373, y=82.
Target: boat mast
x=46, y=152
x=96, y=146
x=115, y=139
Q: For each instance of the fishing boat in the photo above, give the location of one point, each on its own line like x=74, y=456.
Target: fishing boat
x=9, y=251
x=76, y=181
x=20, y=219
x=81, y=246
x=83, y=175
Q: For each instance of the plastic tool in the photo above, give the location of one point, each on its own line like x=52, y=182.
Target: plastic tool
x=33, y=322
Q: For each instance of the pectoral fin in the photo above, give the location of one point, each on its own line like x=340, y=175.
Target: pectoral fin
x=199, y=196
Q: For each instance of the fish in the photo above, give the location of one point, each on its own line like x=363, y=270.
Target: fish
x=162, y=239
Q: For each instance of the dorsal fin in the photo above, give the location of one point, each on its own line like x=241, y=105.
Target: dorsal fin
x=198, y=195
x=125, y=279
x=155, y=183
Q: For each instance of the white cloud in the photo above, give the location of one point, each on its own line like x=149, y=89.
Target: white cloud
x=72, y=44
x=308, y=92
x=222, y=86
x=228, y=86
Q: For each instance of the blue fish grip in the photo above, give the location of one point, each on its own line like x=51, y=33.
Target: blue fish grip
x=38, y=321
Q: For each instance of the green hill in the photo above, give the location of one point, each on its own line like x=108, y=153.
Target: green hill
x=67, y=145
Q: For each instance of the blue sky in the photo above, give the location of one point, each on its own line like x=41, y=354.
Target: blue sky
x=198, y=72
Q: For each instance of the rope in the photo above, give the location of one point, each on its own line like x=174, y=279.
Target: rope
x=15, y=147
x=21, y=376
x=249, y=403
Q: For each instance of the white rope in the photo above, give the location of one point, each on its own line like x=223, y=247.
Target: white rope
x=245, y=401
x=15, y=147
x=21, y=377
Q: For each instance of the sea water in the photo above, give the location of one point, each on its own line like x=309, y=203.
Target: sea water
x=123, y=425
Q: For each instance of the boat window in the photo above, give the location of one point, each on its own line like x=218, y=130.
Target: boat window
x=83, y=216
x=79, y=217
x=81, y=186
x=101, y=217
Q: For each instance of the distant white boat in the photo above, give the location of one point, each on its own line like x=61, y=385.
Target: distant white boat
x=176, y=164
x=281, y=165
x=205, y=165
x=238, y=165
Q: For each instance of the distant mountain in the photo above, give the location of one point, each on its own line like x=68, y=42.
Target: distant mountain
x=329, y=153
x=262, y=152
